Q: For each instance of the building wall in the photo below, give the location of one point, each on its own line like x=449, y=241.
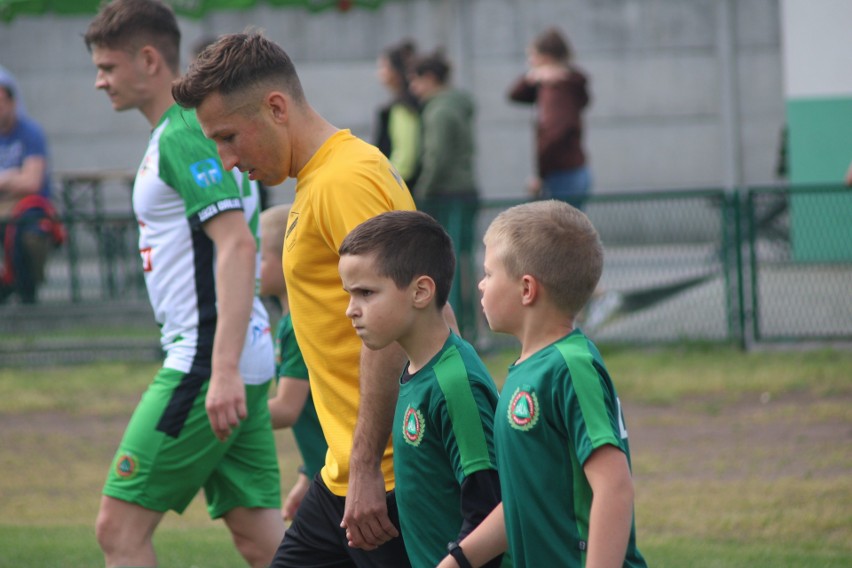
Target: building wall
x=818, y=90
x=685, y=94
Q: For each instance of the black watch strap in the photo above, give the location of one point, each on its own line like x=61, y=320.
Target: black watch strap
x=456, y=552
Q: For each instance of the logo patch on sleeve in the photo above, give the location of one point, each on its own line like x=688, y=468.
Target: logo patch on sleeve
x=206, y=172
x=524, y=411
x=413, y=426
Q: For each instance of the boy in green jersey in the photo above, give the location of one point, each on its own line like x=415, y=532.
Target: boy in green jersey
x=559, y=432
x=398, y=270
x=292, y=405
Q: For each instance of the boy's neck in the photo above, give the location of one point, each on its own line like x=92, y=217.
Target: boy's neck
x=426, y=339
x=542, y=326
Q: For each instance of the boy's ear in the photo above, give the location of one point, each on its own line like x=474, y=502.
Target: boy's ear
x=424, y=291
x=530, y=290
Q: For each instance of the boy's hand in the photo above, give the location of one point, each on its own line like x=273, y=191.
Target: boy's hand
x=295, y=496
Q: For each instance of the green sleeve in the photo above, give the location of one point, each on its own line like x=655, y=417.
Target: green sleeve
x=470, y=416
x=190, y=165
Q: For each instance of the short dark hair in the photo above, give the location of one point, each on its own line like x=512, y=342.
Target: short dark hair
x=235, y=63
x=133, y=24
x=435, y=64
x=407, y=244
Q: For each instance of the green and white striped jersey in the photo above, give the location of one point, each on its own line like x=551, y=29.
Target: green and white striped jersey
x=179, y=186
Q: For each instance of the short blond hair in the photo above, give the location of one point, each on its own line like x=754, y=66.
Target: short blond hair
x=273, y=227
x=553, y=242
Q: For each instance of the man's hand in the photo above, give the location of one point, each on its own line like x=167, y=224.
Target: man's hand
x=365, y=516
x=226, y=404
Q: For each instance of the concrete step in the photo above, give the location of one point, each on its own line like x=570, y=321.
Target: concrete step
x=45, y=352
x=66, y=333
x=19, y=318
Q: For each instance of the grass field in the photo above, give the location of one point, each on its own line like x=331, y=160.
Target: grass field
x=740, y=460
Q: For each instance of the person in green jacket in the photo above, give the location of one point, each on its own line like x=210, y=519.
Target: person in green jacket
x=446, y=187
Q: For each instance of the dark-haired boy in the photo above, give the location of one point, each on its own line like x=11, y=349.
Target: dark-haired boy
x=398, y=269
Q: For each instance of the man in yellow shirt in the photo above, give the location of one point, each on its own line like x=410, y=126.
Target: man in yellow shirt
x=250, y=102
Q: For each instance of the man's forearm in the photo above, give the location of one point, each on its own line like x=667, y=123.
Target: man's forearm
x=379, y=387
x=235, y=294
x=235, y=280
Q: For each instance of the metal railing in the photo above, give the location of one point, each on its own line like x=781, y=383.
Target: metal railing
x=758, y=265
x=798, y=269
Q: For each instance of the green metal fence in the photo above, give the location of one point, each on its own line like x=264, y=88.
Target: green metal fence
x=798, y=269
x=757, y=265
x=760, y=265
x=669, y=270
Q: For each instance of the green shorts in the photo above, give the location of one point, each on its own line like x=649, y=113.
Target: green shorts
x=169, y=451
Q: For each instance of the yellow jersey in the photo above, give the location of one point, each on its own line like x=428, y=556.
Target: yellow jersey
x=346, y=182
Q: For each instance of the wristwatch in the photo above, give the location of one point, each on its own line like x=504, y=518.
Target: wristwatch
x=456, y=552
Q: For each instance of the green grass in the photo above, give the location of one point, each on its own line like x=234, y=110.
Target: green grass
x=74, y=546
x=71, y=388
x=741, y=460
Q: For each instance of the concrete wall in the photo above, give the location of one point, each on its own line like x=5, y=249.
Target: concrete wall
x=685, y=94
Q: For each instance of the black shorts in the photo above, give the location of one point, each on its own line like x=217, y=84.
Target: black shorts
x=316, y=540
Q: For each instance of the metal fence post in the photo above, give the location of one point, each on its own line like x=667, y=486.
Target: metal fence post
x=741, y=334
x=71, y=243
x=753, y=311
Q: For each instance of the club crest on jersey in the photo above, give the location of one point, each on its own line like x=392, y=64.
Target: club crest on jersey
x=126, y=466
x=412, y=426
x=524, y=411
x=206, y=172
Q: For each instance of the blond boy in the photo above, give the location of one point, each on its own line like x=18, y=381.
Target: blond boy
x=561, y=443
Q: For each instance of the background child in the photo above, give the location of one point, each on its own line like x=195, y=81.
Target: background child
x=562, y=447
x=292, y=404
x=398, y=269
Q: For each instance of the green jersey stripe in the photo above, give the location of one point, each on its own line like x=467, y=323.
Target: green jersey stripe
x=463, y=411
x=589, y=390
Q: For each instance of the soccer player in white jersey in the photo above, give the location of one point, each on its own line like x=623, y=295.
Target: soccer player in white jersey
x=195, y=427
